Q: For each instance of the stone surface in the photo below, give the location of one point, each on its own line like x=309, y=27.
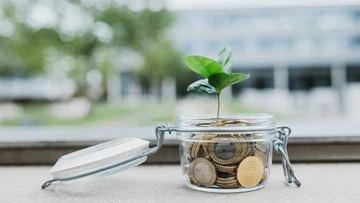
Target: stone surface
x=321, y=183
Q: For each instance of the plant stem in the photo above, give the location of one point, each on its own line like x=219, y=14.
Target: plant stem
x=218, y=107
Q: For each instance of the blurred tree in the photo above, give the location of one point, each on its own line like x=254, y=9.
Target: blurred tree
x=33, y=48
x=23, y=49
x=162, y=60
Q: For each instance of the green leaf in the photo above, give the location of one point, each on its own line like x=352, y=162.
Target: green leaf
x=224, y=58
x=203, y=65
x=221, y=80
x=202, y=86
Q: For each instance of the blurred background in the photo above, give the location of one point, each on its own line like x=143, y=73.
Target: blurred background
x=121, y=62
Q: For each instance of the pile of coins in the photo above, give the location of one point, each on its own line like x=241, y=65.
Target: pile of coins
x=226, y=160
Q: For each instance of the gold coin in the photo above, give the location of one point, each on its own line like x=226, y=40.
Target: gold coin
x=203, y=124
x=260, y=155
x=226, y=175
x=197, y=137
x=206, y=138
x=266, y=173
x=225, y=149
x=225, y=169
x=263, y=157
x=209, y=136
x=260, y=151
x=261, y=147
x=228, y=185
x=195, y=149
x=247, y=142
x=202, y=172
x=231, y=178
x=227, y=182
x=250, y=171
x=202, y=154
x=195, y=146
x=251, y=144
x=236, y=123
x=187, y=151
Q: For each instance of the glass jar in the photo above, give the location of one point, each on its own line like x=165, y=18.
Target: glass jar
x=227, y=154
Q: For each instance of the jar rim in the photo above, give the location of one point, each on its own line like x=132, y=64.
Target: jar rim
x=248, y=119
x=227, y=124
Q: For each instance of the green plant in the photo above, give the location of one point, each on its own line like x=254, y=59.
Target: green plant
x=215, y=73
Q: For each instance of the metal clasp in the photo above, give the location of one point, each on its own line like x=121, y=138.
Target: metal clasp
x=280, y=146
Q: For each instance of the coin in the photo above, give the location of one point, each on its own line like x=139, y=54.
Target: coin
x=228, y=185
x=264, y=160
x=247, y=141
x=195, y=146
x=250, y=171
x=227, y=181
x=251, y=144
x=266, y=173
x=260, y=151
x=209, y=136
x=195, y=149
x=225, y=168
x=230, y=178
x=259, y=155
x=206, y=138
x=187, y=151
x=224, y=122
x=202, y=154
x=226, y=175
x=261, y=147
x=235, y=123
x=203, y=124
x=202, y=172
x=225, y=149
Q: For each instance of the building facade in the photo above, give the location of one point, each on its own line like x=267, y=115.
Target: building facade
x=298, y=50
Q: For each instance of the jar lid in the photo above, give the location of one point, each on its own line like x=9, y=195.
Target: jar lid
x=103, y=159
x=100, y=160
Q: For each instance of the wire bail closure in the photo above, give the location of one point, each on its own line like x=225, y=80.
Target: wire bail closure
x=280, y=146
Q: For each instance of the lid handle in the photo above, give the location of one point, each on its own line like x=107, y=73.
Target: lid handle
x=280, y=146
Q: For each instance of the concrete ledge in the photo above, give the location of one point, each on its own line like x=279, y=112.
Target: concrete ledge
x=320, y=183
x=43, y=146
x=169, y=154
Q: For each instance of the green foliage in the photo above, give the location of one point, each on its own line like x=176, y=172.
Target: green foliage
x=206, y=66
x=203, y=65
x=221, y=80
x=202, y=86
x=224, y=58
x=215, y=73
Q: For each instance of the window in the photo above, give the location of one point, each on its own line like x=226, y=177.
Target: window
x=353, y=73
x=309, y=78
x=355, y=42
x=262, y=78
